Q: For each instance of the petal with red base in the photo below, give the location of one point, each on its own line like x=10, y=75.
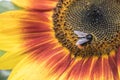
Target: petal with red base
x=36, y=4
x=46, y=64
x=18, y=28
x=55, y=63
x=94, y=68
x=101, y=70
x=118, y=61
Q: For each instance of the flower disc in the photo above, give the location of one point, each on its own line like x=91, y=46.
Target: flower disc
x=100, y=18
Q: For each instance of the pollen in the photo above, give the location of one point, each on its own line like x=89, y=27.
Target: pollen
x=98, y=20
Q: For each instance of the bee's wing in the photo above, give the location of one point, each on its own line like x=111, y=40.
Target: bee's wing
x=81, y=41
x=80, y=34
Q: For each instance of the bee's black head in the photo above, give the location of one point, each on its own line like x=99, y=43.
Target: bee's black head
x=89, y=37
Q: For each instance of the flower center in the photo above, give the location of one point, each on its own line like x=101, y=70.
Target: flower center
x=88, y=27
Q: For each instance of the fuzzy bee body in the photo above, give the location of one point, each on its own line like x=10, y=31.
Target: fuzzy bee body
x=84, y=38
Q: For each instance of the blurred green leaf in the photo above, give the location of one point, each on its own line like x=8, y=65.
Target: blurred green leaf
x=7, y=5
x=2, y=52
x=4, y=74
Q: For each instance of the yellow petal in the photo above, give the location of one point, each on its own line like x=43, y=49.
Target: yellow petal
x=37, y=67
x=36, y=4
x=17, y=29
x=60, y=66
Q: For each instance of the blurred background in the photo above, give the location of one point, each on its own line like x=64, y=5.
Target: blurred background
x=3, y=73
x=5, y=5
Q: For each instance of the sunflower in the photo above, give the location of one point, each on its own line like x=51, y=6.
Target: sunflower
x=61, y=40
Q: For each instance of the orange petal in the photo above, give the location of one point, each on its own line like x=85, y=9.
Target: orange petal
x=20, y=31
x=102, y=70
x=118, y=61
x=39, y=66
x=79, y=70
x=113, y=65
x=55, y=63
x=36, y=4
x=85, y=69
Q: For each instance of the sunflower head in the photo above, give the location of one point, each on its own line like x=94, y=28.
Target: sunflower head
x=78, y=40
x=91, y=24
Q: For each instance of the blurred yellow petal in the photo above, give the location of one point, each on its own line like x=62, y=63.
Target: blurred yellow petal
x=48, y=64
x=18, y=28
x=36, y=4
x=60, y=66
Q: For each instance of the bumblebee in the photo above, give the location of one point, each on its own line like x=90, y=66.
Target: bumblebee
x=84, y=38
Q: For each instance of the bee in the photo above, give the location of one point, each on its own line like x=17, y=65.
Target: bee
x=84, y=39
